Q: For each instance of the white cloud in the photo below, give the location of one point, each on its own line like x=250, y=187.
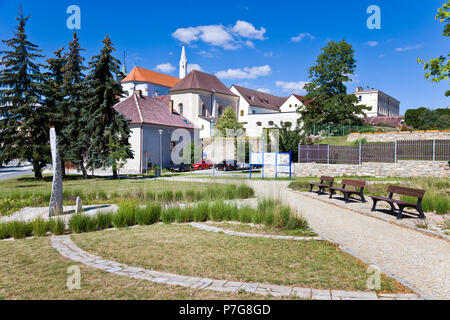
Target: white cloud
x=245, y=73
x=193, y=66
x=186, y=35
x=227, y=37
x=410, y=47
x=247, y=30
x=263, y=90
x=301, y=36
x=165, y=67
x=292, y=86
x=372, y=43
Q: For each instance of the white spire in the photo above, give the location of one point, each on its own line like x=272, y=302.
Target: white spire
x=183, y=63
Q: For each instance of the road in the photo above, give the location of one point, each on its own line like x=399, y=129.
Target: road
x=10, y=172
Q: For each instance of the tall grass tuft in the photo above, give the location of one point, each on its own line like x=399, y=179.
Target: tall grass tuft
x=201, y=212
x=80, y=223
x=244, y=192
x=169, y=215
x=20, y=229
x=5, y=230
x=149, y=214
x=56, y=226
x=103, y=220
x=40, y=227
x=185, y=215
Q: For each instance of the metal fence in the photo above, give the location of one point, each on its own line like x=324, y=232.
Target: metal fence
x=433, y=150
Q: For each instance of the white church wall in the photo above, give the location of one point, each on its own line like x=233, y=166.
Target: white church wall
x=133, y=165
x=257, y=122
x=148, y=89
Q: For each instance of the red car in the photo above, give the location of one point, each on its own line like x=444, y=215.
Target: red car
x=205, y=164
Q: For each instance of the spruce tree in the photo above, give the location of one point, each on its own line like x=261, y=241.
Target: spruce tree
x=54, y=98
x=109, y=129
x=24, y=128
x=75, y=103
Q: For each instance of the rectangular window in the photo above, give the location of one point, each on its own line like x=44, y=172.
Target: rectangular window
x=242, y=113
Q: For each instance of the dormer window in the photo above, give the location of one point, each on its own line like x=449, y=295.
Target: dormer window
x=259, y=124
x=270, y=123
x=180, y=108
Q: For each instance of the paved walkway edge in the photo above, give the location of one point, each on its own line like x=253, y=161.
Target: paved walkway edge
x=209, y=228
x=68, y=249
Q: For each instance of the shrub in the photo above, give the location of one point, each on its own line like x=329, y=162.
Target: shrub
x=169, y=215
x=295, y=223
x=56, y=226
x=40, y=227
x=201, y=212
x=20, y=230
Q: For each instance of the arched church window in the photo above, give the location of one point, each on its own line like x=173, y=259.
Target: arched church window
x=220, y=110
x=204, y=110
x=180, y=108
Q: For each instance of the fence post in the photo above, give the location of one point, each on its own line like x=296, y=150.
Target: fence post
x=360, y=152
x=314, y=129
x=395, y=152
x=328, y=155
x=299, y=148
x=434, y=149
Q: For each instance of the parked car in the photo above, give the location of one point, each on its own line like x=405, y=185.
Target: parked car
x=205, y=164
x=181, y=168
x=227, y=165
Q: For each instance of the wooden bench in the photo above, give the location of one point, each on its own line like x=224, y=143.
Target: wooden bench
x=348, y=192
x=416, y=193
x=322, y=186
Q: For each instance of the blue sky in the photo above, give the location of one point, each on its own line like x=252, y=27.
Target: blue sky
x=266, y=45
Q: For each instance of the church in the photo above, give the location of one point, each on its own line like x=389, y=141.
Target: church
x=157, y=104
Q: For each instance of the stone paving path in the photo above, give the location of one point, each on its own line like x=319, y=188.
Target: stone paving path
x=71, y=251
x=209, y=228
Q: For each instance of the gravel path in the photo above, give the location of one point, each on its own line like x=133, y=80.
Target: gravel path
x=420, y=260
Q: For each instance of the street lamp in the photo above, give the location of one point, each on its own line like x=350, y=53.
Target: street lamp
x=160, y=150
x=212, y=136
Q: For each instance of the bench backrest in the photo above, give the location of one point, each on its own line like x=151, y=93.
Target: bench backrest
x=327, y=179
x=418, y=193
x=354, y=183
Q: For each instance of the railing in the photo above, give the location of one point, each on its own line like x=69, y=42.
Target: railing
x=432, y=150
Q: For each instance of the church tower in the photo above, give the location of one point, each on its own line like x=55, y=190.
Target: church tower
x=183, y=64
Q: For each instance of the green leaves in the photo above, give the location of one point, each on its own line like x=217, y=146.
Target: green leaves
x=228, y=120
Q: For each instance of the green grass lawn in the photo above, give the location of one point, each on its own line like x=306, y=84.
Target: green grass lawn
x=27, y=192
x=32, y=269
x=262, y=229
x=187, y=251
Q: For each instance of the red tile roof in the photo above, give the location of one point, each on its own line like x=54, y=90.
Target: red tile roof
x=146, y=110
x=201, y=81
x=144, y=75
x=261, y=99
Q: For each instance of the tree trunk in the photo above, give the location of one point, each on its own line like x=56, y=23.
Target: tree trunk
x=114, y=171
x=37, y=171
x=84, y=171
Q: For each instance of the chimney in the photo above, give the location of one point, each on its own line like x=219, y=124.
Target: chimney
x=171, y=106
x=138, y=93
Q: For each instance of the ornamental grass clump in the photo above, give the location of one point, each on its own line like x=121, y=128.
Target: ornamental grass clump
x=104, y=220
x=80, y=223
x=169, y=215
x=201, y=212
x=40, y=227
x=20, y=229
x=56, y=226
x=184, y=215
x=244, y=192
x=179, y=196
x=5, y=230
x=149, y=214
x=217, y=210
x=246, y=214
x=189, y=195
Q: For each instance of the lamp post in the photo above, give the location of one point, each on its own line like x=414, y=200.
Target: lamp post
x=160, y=150
x=212, y=136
